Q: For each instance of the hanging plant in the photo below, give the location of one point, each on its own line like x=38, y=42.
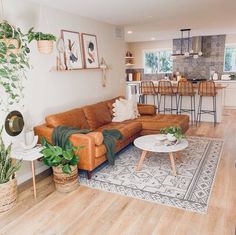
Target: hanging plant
x=44, y=41
x=13, y=63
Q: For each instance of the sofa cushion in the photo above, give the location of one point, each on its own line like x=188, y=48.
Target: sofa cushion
x=146, y=109
x=73, y=118
x=97, y=115
x=156, y=122
x=127, y=128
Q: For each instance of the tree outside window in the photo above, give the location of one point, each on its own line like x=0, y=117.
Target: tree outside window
x=230, y=59
x=157, y=62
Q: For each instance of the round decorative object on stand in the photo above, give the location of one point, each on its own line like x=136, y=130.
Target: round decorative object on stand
x=8, y=195
x=65, y=182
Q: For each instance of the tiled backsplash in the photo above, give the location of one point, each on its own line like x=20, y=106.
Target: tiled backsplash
x=211, y=60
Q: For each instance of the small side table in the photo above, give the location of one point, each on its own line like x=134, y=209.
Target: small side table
x=30, y=155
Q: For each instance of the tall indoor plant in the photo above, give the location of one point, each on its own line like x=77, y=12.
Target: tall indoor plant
x=8, y=185
x=64, y=164
x=44, y=41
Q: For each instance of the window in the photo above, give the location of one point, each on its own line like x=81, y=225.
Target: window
x=230, y=58
x=157, y=61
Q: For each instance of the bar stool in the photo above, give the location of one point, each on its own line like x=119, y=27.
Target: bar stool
x=165, y=89
x=185, y=89
x=207, y=89
x=147, y=88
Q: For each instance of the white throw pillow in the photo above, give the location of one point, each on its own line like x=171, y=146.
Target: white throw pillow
x=124, y=110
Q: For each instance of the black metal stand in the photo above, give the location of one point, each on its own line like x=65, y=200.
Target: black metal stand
x=171, y=109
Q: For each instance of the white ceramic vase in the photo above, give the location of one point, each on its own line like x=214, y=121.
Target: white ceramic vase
x=171, y=137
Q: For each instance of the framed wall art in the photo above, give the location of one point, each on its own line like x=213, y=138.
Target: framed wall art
x=90, y=51
x=73, y=54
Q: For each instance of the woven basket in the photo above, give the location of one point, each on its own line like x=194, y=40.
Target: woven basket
x=45, y=46
x=8, y=195
x=64, y=182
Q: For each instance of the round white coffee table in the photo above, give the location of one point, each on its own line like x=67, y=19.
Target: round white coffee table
x=148, y=143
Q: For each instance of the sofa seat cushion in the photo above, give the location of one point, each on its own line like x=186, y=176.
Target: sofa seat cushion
x=127, y=128
x=97, y=115
x=72, y=118
x=156, y=122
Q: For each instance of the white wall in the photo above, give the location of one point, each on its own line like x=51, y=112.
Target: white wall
x=137, y=48
x=49, y=92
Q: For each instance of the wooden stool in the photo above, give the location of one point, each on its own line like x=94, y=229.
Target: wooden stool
x=165, y=89
x=207, y=89
x=185, y=89
x=147, y=88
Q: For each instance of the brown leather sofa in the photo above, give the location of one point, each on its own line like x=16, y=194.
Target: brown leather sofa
x=98, y=117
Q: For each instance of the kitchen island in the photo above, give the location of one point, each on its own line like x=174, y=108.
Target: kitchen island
x=133, y=92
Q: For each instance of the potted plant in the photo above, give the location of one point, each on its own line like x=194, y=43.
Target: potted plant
x=13, y=63
x=8, y=184
x=173, y=133
x=64, y=164
x=44, y=41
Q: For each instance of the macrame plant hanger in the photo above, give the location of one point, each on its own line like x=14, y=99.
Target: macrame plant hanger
x=44, y=46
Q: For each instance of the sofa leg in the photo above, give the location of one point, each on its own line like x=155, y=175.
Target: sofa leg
x=89, y=174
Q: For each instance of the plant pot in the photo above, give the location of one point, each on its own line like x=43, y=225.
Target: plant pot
x=45, y=46
x=64, y=182
x=11, y=41
x=8, y=195
x=171, y=137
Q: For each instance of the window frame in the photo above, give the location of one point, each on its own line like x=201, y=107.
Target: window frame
x=156, y=50
x=232, y=45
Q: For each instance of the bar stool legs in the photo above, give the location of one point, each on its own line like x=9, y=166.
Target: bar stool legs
x=192, y=109
x=171, y=109
x=204, y=111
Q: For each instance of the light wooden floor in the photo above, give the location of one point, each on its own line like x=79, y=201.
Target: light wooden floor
x=88, y=211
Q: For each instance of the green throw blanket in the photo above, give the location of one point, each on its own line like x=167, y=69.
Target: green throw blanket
x=61, y=135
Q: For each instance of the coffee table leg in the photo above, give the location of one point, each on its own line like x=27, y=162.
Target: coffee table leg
x=172, y=160
x=141, y=160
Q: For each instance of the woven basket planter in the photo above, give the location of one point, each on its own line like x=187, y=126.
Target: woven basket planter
x=8, y=195
x=45, y=46
x=64, y=182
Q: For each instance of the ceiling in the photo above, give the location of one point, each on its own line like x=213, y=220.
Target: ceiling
x=156, y=19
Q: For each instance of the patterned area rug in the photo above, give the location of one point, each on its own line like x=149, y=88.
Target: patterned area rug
x=189, y=190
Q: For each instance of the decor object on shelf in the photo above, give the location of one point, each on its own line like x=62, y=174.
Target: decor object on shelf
x=104, y=68
x=13, y=63
x=14, y=123
x=90, y=51
x=29, y=144
x=64, y=164
x=44, y=41
x=61, y=52
x=8, y=185
x=173, y=133
x=129, y=59
x=73, y=54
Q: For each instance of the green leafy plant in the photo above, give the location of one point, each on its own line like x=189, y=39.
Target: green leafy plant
x=40, y=36
x=233, y=76
x=174, y=130
x=59, y=157
x=14, y=62
x=7, y=167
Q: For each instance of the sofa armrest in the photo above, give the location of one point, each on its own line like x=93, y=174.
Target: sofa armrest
x=146, y=109
x=88, y=141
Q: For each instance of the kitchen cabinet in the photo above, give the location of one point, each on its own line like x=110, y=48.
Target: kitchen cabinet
x=229, y=94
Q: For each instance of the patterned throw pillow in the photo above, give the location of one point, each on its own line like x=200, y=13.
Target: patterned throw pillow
x=124, y=110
